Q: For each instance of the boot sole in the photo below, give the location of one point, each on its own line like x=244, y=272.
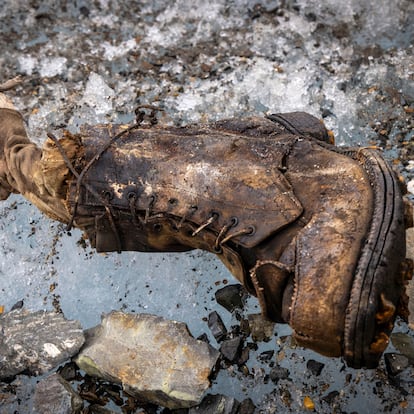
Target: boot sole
x=377, y=284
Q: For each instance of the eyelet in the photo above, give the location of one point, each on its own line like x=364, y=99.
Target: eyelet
x=215, y=215
x=157, y=227
x=131, y=196
x=251, y=230
x=234, y=221
x=218, y=249
x=107, y=194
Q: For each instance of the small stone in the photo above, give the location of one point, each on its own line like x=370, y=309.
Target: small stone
x=203, y=337
x=216, y=326
x=244, y=356
x=261, y=329
x=230, y=348
x=315, y=367
x=17, y=305
x=53, y=395
x=266, y=355
x=231, y=297
x=155, y=359
x=404, y=343
x=245, y=327
x=277, y=373
x=395, y=363
x=308, y=403
x=216, y=404
x=331, y=397
x=247, y=407
x=36, y=342
x=68, y=371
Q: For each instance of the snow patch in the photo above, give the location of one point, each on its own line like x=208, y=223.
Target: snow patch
x=53, y=66
x=98, y=94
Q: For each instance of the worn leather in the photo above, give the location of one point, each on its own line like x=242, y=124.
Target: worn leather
x=186, y=171
x=314, y=231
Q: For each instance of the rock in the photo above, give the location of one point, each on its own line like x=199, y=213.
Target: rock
x=277, y=373
x=315, y=367
x=230, y=348
x=395, y=363
x=36, y=342
x=231, y=297
x=266, y=356
x=54, y=395
x=404, y=343
x=203, y=337
x=68, y=371
x=244, y=356
x=247, y=407
x=155, y=359
x=216, y=404
x=308, y=403
x=331, y=397
x=216, y=326
x=261, y=329
x=17, y=305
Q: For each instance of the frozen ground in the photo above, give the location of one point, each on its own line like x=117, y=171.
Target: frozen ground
x=350, y=62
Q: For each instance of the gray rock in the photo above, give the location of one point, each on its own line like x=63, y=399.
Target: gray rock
x=315, y=367
x=266, y=356
x=261, y=328
x=277, y=373
x=216, y=404
x=230, y=348
x=36, y=342
x=231, y=297
x=54, y=395
x=404, y=343
x=331, y=397
x=217, y=326
x=395, y=363
x=247, y=407
x=153, y=358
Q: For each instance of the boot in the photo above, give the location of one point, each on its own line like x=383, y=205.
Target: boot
x=314, y=231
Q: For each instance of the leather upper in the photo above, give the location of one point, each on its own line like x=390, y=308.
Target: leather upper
x=196, y=175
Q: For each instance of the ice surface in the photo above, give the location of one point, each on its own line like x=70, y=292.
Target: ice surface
x=350, y=63
x=98, y=95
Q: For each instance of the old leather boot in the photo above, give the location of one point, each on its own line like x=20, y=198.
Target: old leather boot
x=315, y=231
